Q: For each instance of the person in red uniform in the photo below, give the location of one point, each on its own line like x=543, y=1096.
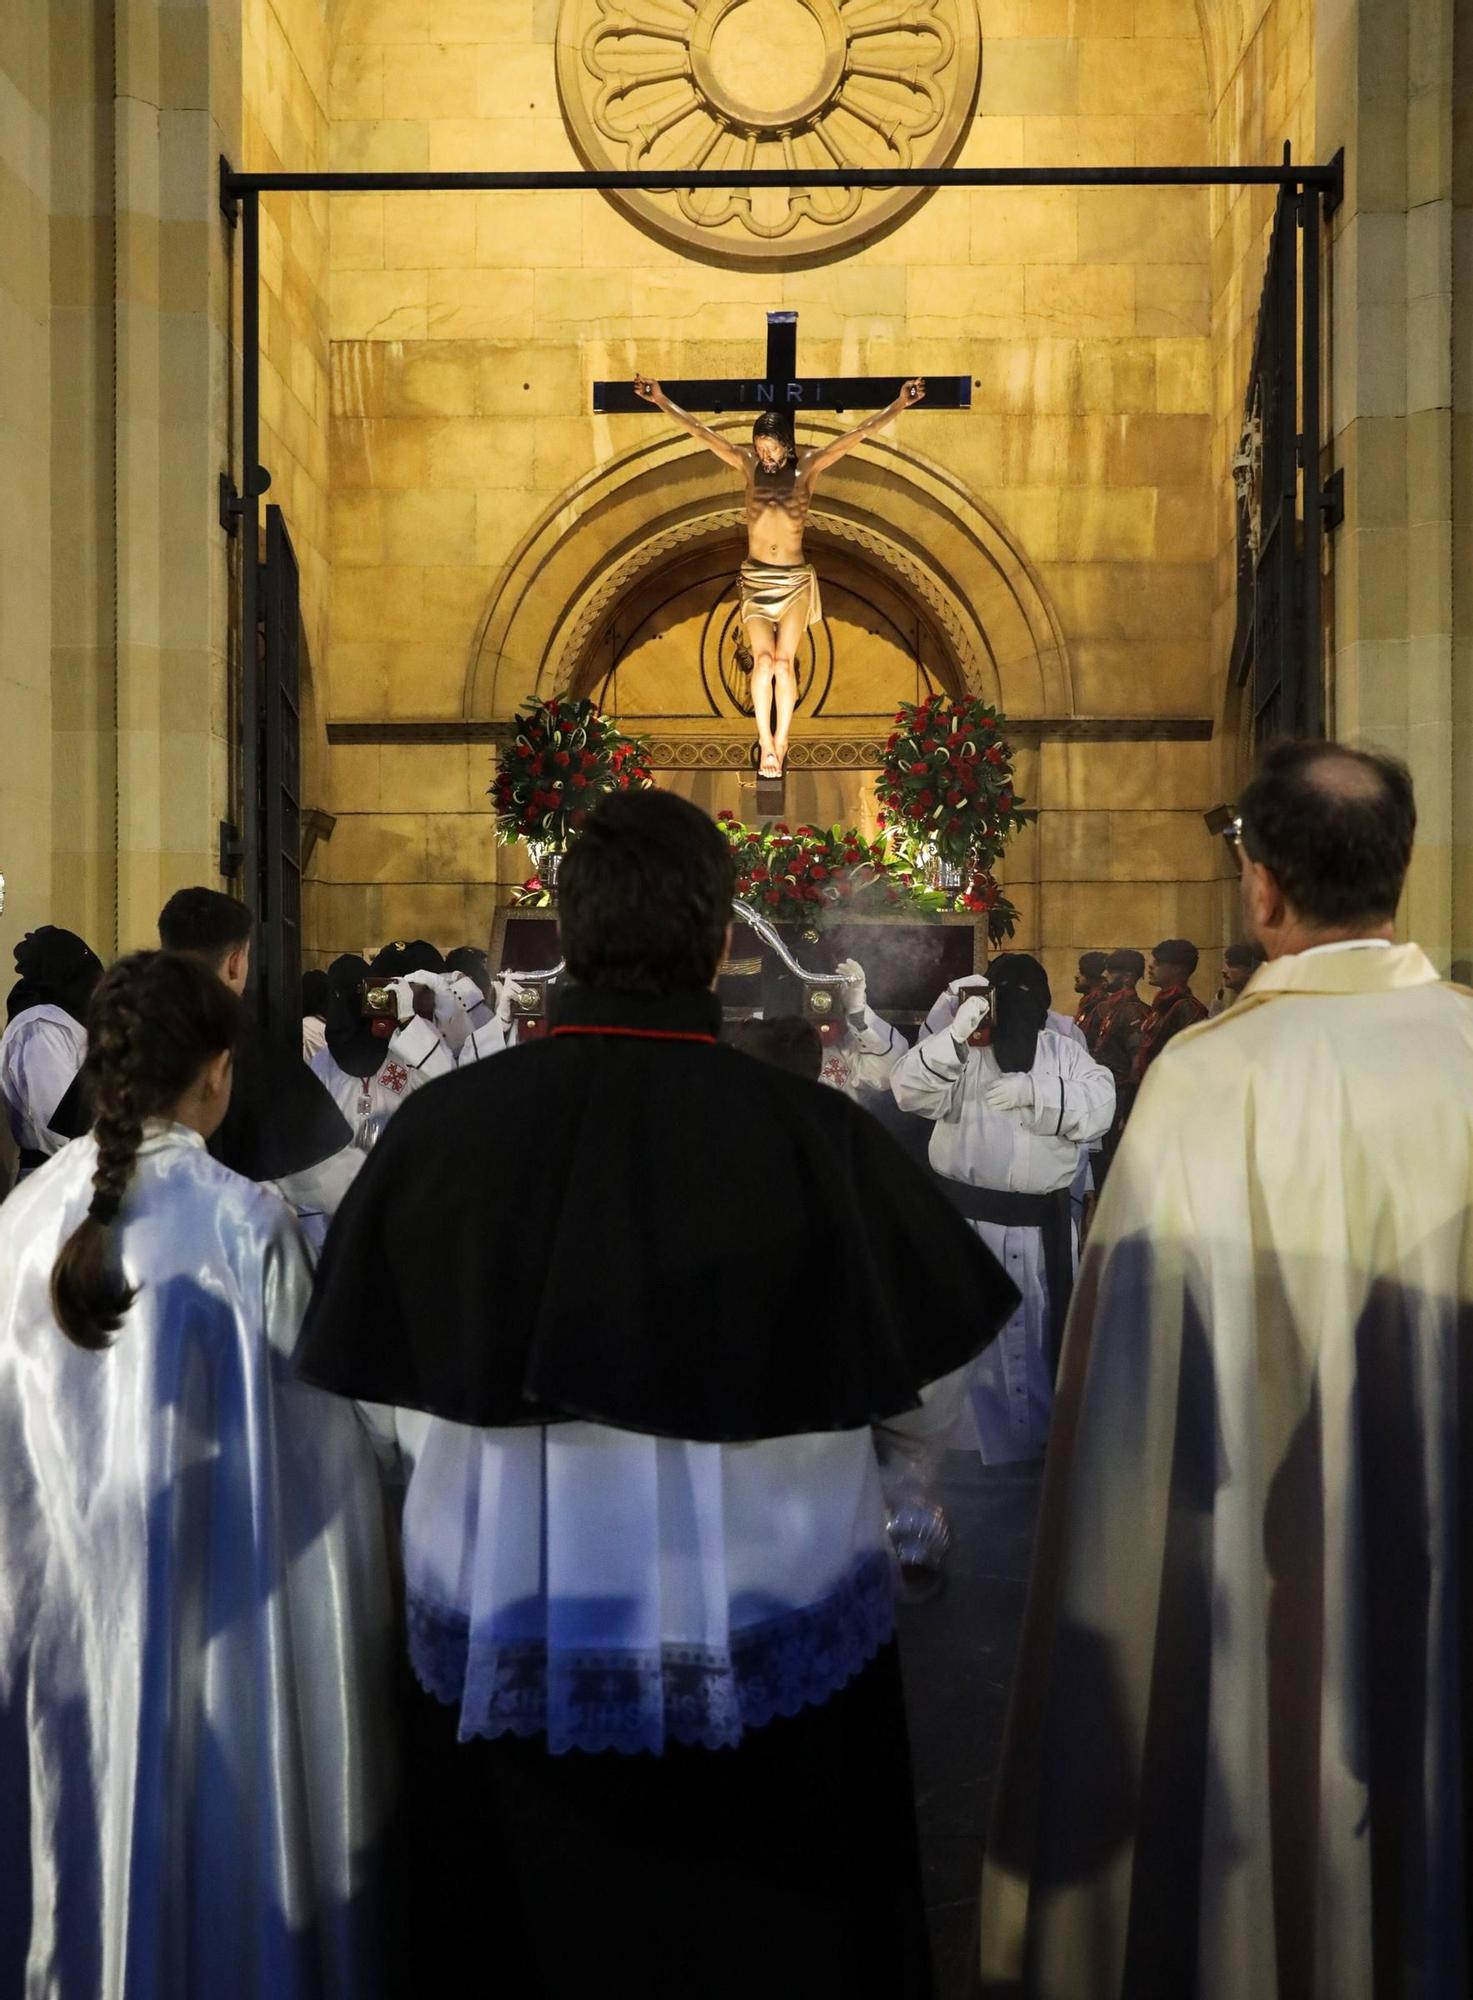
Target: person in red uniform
x=1090, y=985
x=1175, y=1007
x=1118, y=1021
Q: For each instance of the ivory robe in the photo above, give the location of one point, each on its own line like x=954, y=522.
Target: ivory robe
x=1235, y=1764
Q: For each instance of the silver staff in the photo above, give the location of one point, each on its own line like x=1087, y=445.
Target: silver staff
x=769, y=936
x=747, y=914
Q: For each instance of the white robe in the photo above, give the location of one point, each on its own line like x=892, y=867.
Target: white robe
x=472, y=1001
x=416, y=1053
x=314, y=1035
x=1236, y=1764
x=490, y=1039
x=313, y=1193
x=865, y=1058
x=625, y=1592
x=1021, y=1152
x=195, y=1622
x=40, y=1053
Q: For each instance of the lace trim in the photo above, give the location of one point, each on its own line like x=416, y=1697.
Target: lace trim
x=631, y=1700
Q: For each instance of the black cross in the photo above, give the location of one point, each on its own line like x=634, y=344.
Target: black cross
x=782, y=388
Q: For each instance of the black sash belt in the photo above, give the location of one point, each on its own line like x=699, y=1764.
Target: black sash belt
x=1052, y=1215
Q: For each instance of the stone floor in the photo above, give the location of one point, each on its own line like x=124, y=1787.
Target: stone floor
x=957, y=1656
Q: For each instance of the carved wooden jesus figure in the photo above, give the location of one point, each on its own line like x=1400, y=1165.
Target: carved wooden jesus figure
x=779, y=589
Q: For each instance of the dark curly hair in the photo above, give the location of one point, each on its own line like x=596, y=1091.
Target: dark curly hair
x=645, y=896
x=156, y=1019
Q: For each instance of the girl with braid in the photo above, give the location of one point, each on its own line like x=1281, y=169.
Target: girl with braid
x=194, y=1610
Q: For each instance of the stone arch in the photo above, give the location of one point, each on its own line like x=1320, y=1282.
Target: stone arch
x=907, y=515
x=707, y=553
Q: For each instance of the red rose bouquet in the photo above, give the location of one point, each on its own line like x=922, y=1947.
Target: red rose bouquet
x=793, y=876
x=562, y=757
x=946, y=789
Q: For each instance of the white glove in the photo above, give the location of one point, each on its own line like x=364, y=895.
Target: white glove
x=973, y=1011
x=403, y=994
x=508, y=995
x=1013, y=1092
x=465, y=990
x=855, y=993
x=446, y=1004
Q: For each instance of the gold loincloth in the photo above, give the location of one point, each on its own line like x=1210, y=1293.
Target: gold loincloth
x=770, y=589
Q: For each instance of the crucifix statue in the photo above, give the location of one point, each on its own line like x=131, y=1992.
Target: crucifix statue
x=779, y=590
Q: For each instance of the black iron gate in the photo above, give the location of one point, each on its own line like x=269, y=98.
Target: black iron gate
x=1277, y=646
x=273, y=843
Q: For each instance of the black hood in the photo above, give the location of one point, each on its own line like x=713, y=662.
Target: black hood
x=57, y=969
x=1020, y=1006
x=350, y=1040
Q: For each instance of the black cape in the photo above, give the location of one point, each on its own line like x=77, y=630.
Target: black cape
x=282, y=1119
x=630, y=1224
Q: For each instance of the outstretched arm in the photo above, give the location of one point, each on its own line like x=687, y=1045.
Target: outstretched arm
x=825, y=455
x=712, y=440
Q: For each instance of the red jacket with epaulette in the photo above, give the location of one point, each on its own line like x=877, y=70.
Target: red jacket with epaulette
x=1172, y=1010
x=1117, y=1035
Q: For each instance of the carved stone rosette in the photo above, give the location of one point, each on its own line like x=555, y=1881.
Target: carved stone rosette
x=664, y=85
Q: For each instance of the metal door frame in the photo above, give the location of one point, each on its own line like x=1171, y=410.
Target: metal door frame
x=1316, y=189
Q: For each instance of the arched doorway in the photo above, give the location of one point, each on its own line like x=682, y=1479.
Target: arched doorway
x=669, y=658
x=619, y=591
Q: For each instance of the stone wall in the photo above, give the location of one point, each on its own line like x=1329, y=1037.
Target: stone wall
x=1385, y=77
x=286, y=67
x=467, y=331
x=114, y=318
x=25, y=450
x=84, y=440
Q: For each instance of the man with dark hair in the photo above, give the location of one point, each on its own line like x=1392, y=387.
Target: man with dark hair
x=1089, y=984
x=634, y=1303
x=1235, y=1760
x=1119, y=1021
x=1175, y=1007
x=281, y=1126
x=1239, y=963
x=213, y=927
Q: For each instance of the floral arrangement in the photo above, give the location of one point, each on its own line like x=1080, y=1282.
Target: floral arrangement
x=793, y=875
x=946, y=786
x=562, y=757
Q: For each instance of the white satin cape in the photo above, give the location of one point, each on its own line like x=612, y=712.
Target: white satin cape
x=1237, y=1760
x=194, y=1614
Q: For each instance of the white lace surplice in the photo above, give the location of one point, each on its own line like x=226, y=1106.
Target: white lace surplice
x=619, y=1591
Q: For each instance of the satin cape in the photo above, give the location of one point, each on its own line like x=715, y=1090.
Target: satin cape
x=195, y=1622
x=631, y=1224
x=1238, y=1755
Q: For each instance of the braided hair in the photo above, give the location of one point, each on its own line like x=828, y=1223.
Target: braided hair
x=155, y=1020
